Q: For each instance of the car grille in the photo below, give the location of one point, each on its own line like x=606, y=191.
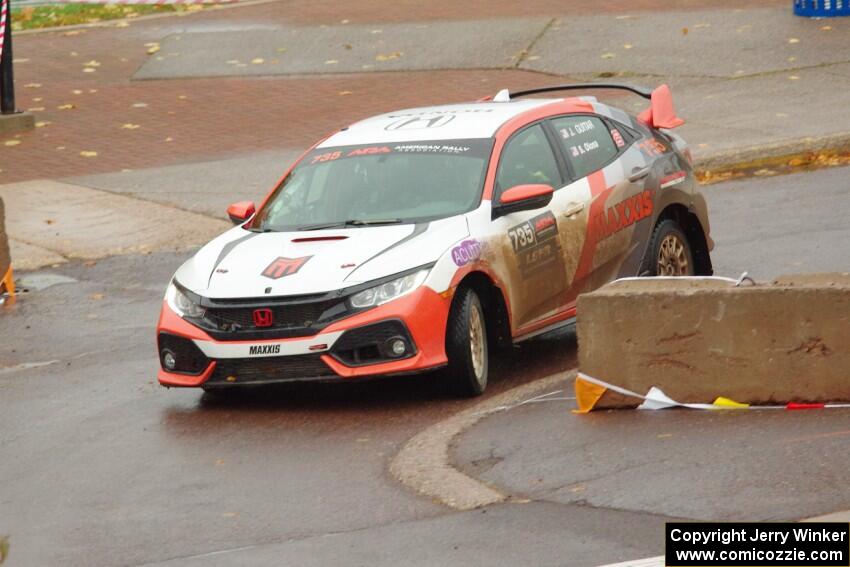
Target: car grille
x=296, y=318
x=270, y=369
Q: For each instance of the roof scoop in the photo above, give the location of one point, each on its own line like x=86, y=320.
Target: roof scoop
x=503, y=95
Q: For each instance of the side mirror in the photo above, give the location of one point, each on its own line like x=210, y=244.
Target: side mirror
x=241, y=211
x=523, y=198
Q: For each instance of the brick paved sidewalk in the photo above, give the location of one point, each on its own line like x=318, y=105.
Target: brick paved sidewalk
x=95, y=119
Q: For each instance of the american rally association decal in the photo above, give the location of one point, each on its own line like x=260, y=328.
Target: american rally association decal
x=535, y=242
x=623, y=214
x=282, y=267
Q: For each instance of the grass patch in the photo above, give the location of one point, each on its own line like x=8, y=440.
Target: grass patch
x=30, y=18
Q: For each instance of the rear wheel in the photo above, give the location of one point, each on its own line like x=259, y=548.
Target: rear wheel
x=466, y=344
x=669, y=252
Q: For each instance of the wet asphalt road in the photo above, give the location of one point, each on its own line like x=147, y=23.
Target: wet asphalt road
x=100, y=466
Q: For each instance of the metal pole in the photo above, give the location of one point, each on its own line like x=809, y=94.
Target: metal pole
x=7, y=80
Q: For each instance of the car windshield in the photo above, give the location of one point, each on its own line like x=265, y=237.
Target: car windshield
x=378, y=184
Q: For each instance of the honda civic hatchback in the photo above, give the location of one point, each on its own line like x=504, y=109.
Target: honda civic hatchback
x=425, y=238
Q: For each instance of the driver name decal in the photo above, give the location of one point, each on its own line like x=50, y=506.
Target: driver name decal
x=282, y=267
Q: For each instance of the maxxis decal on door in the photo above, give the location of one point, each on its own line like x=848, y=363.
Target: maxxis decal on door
x=535, y=242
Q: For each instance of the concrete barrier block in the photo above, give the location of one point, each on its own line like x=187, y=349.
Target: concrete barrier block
x=786, y=341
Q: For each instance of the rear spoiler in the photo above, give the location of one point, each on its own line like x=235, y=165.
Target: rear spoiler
x=660, y=114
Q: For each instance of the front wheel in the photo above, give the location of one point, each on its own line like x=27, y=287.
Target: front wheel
x=466, y=344
x=669, y=252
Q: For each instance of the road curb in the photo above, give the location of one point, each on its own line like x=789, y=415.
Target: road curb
x=786, y=156
x=423, y=462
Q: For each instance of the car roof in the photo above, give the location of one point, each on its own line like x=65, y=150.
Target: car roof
x=445, y=122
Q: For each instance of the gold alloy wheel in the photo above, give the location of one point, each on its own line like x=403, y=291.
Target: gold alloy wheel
x=476, y=342
x=673, y=257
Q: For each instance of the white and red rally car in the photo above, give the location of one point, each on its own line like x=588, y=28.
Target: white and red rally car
x=418, y=239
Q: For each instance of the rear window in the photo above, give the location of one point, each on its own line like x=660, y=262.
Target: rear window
x=587, y=143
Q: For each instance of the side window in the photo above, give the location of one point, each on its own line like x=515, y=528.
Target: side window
x=528, y=158
x=587, y=143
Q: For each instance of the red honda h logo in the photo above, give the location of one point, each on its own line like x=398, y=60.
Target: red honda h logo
x=263, y=317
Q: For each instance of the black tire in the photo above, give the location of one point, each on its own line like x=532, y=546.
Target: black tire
x=466, y=377
x=681, y=261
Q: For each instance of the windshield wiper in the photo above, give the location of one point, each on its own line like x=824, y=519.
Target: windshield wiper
x=352, y=222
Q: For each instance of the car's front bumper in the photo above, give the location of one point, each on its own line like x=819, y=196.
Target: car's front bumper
x=419, y=318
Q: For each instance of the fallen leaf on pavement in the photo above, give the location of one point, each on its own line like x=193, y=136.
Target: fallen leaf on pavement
x=122, y=24
x=825, y=28
x=88, y=153
x=152, y=49
x=77, y=91
x=608, y=55
x=257, y=61
x=684, y=31
x=68, y=106
x=793, y=40
x=627, y=46
x=794, y=77
x=96, y=296
x=129, y=126
x=49, y=221
x=331, y=62
x=91, y=63
x=344, y=93
x=169, y=139
x=32, y=86
x=42, y=124
x=393, y=55
x=140, y=104
x=11, y=142
x=89, y=69
x=182, y=97
x=37, y=99
x=35, y=109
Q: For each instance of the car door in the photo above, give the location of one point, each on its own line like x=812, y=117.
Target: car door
x=602, y=203
x=529, y=241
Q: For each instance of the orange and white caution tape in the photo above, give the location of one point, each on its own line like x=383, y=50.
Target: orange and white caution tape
x=589, y=390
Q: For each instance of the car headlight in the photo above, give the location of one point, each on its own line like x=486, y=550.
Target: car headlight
x=182, y=301
x=388, y=291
